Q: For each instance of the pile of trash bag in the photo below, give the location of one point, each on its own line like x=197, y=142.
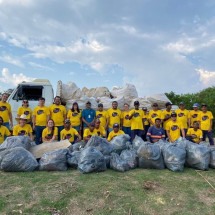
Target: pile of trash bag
x=120, y=143
x=212, y=158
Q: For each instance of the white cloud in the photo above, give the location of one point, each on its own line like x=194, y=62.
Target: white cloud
x=39, y=66
x=13, y=79
x=11, y=60
x=207, y=78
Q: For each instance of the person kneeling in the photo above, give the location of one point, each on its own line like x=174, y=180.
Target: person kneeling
x=89, y=132
x=50, y=132
x=116, y=132
x=194, y=134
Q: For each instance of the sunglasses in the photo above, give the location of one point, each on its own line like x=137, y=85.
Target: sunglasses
x=25, y=102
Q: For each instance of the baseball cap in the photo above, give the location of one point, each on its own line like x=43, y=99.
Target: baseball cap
x=116, y=125
x=144, y=108
x=155, y=105
x=168, y=103
x=100, y=105
x=181, y=103
x=204, y=105
x=136, y=103
x=195, y=105
x=88, y=102
x=173, y=114
x=67, y=121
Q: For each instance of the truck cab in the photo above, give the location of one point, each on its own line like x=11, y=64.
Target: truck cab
x=30, y=91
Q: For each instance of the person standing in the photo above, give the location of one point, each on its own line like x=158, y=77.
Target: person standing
x=182, y=116
x=26, y=110
x=101, y=114
x=5, y=111
x=206, y=123
x=154, y=113
x=88, y=115
x=166, y=115
x=58, y=114
x=145, y=121
x=194, y=115
x=137, y=124
x=4, y=131
x=41, y=115
x=125, y=120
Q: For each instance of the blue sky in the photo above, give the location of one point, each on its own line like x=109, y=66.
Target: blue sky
x=157, y=45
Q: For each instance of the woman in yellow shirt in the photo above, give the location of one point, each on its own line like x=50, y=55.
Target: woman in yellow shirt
x=4, y=132
x=50, y=133
x=25, y=109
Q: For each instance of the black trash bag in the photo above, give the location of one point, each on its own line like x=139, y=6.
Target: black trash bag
x=174, y=157
x=73, y=158
x=137, y=142
x=16, y=141
x=54, y=160
x=212, y=160
x=101, y=144
x=17, y=160
x=78, y=146
x=150, y=156
x=130, y=156
x=198, y=156
x=117, y=163
x=120, y=143
x=91, y=160
x=107, y=160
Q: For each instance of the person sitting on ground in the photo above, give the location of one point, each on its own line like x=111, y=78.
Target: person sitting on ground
x=4, y=131
x=50, y=132
x=174, y=128
x=194, y=134
x=23, y=129
x=116, y=132
x=100, y=129
x=156, y=132
x=69, y=133
x=89, y=132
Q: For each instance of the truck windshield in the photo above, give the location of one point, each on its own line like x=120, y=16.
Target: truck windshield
x=31, y=93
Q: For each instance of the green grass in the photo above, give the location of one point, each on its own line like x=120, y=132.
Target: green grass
x=135, y=192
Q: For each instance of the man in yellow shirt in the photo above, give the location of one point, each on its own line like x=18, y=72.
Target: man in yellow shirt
x=69, y=133
x=137, y=124
x=174, y=128
x=182, y=116
x=99, y=129
x=5, y=111
x=146, y=122
x=194, y=115
x=58, y=114
x=115, y=132
x=206, y=123
x=41, y=115
x=23, y=129
x=166, y=115
x=89, y=132
x=194, y=134
x=114, y=116
x=4, y=132
x=154, y=113
x=125, y=120
x=101, y=114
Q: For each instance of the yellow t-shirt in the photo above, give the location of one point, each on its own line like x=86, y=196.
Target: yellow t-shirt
x=126, y=122
x=102, y=116
x=68, y=134
x=205, y=120
x=100, y=131
x=22, y=131
x=174, y=129
x=88, y=133
x=145, y=118
x=25, y=110
x=5, y=110
x=198, y=134
x=47, y=134
x=75, y=117
x=112, y=134
x=164, y=114
x=41, y=114
x=58, y=113
x=137, y=119
x=154, y=114
x=194, y=116
x=182, y=116
x=4, y=132
x=114, y=117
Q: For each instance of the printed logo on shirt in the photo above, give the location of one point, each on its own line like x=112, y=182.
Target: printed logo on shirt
x=3, y=108
x=204, y=118
x=75, y=114
x=194, y=115
x=99, y=115
x=181, y=114
x=154, y=115
x=114, y=114
x=174, y=127
x=89, y=136
x=49, y=136
x=194, y=136
x=167, y=115
x=136, y=114
x=39, y=112
x=99, y=133
x=22, y=133
x=127, y=117
x=68, y=136
x=26, y=112
x=0, y=135
x=56, y=110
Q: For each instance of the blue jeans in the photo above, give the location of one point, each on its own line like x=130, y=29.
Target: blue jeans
x=7, y=124
x=137, y=132
x=146, y=128
x=209, y=134
x=60, y=128
x=127, y=130
x=77, y=128
x=38, y=134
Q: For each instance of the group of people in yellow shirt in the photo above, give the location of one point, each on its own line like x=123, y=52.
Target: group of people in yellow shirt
x=56, y=123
